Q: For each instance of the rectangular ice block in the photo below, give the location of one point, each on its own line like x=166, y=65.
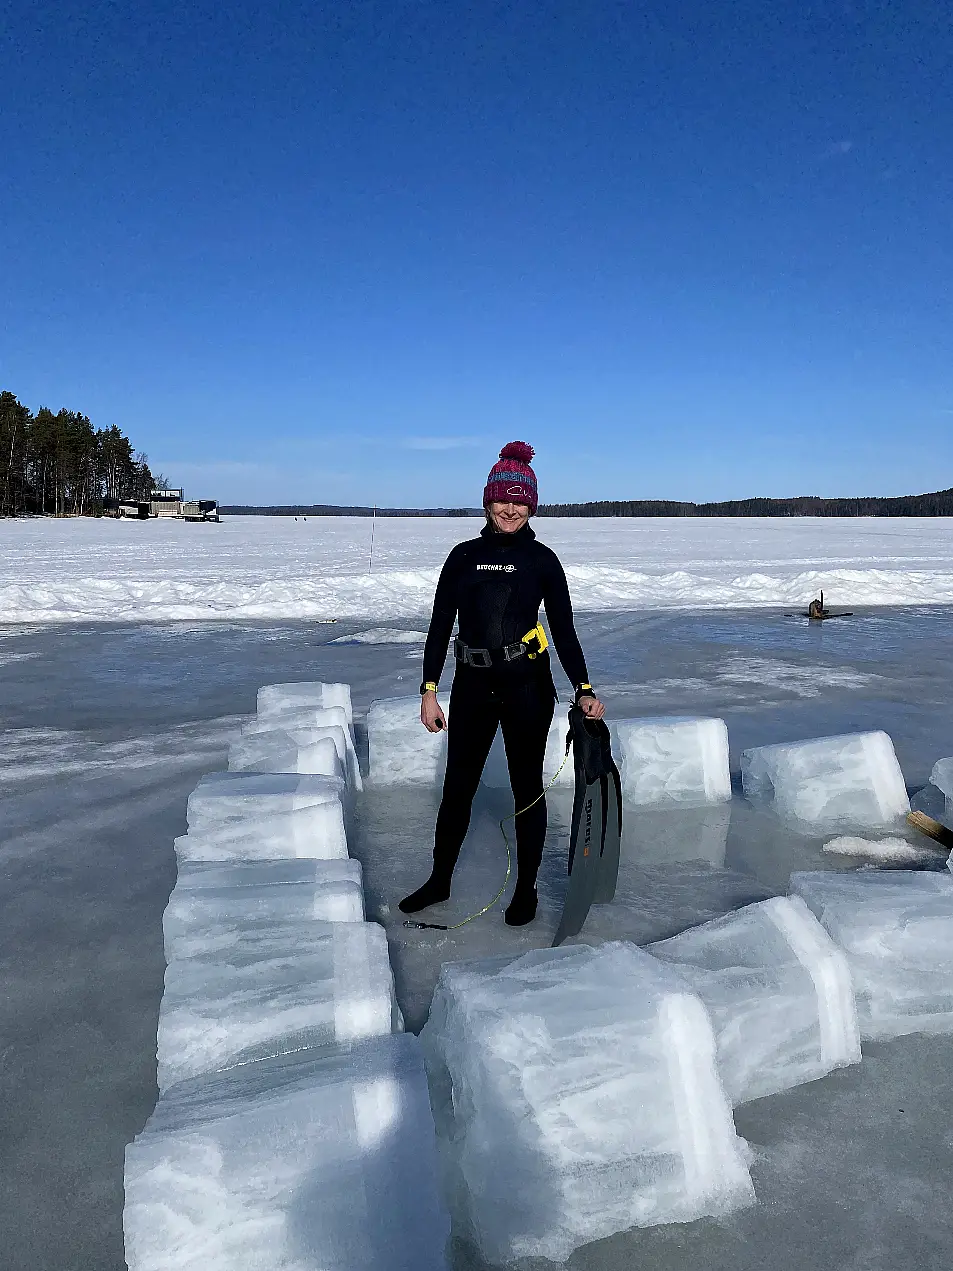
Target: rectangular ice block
x=778, y=991
x=942, y=778
x=317, y=752
x=303, y=717
x=576, y=1095
x=315, y=832
x=400, y=750
x=306, y=1162
x=211, y=904
x=275, y=699
x=224, y=797
x=828, y=782
x=896, y=928
x=672, y=761
x=278, y=987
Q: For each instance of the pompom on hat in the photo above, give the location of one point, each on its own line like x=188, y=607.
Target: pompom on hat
x=511, y=479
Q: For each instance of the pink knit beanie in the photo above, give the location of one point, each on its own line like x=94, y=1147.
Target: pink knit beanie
x=512, y=480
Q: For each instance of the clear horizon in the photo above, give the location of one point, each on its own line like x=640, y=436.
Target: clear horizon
x=302, y=253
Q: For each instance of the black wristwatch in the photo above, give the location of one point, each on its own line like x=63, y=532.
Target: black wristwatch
x=584, y=690
x=428, y=686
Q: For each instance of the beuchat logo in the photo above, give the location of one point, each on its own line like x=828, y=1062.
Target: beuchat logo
x=515, y=489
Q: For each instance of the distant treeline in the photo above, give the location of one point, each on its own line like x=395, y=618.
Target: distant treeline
x=938, y=504
x=60, y=465
x=327, y=509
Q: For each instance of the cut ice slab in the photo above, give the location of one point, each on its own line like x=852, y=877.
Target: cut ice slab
x=400, y=750
x=896, y=927
x=323, y=751
x=576, y=1095
x=223, y=797
x=663, y=762
x=829, y=782
x=276, y=699
x=211, y=904
x=316, y=832
x=305, y=1162
x=303, y=717
x=778, y=991
x=670, y=761
x=277, y=988
x=942, y=778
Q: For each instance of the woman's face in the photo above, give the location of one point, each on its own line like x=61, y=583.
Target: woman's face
x=508, y=517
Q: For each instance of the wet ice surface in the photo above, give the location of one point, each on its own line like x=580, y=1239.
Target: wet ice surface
x=107, y=730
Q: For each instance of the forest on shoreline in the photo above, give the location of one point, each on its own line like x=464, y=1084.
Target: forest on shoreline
x=939, y=504
x=59, y=465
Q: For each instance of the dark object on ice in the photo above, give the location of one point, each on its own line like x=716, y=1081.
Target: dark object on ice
x=596, y=832
x=932, y=829
x=817, y=613
x=434, y=891
x=522, y=908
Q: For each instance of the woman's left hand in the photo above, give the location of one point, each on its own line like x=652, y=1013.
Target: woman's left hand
x=591, y=707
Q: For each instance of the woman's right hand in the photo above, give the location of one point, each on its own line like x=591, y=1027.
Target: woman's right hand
x=431, y=715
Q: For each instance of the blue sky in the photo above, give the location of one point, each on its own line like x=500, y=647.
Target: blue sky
x=343, y=252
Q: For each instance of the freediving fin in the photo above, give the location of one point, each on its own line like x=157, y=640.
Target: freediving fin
x=596, y=827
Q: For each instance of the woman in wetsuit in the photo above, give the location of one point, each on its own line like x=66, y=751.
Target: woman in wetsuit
x=494, y=585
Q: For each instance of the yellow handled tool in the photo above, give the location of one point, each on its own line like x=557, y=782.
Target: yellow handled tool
x=535, y=641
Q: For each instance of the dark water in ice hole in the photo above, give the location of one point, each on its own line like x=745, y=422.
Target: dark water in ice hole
x=107, y=729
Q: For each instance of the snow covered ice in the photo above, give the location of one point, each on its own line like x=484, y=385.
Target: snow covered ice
x=576, y=1095
x=778, y=991
x=306, y=1162
x=210, y=903
x=277, y=987
x=290, y=699
x=896, y=927
x=274, y=567
x=400, y=750
x=829, y=782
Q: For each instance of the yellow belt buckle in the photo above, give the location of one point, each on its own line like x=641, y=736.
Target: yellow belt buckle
x=539, y=635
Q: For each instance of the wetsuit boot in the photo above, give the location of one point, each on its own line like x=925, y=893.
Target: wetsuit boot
x=434, y=890
x=522, y=908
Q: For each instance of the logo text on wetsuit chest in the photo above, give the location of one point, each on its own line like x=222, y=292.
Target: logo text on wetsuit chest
x=500, y=569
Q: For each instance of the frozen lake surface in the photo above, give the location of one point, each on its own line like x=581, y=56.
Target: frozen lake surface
x=279, y=567
x=104, y=730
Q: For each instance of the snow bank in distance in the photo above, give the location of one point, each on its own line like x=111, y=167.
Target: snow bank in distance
x=382, y=635
x=279, y=568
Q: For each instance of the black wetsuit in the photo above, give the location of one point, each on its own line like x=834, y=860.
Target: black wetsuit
x=494, y=586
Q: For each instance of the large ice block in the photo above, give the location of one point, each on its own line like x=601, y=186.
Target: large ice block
x=896, y=927
x=306, y=1162
x=225, y=797
x=302, y=718
x=278, y=987
x=942, y=778
x=276, y=699
x=315, y=832
x=828, y=782
x=778, y=991
x=211, y=903
x=672, y=761
x=317, y=752
x=400, y=750
x=576, y=1095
